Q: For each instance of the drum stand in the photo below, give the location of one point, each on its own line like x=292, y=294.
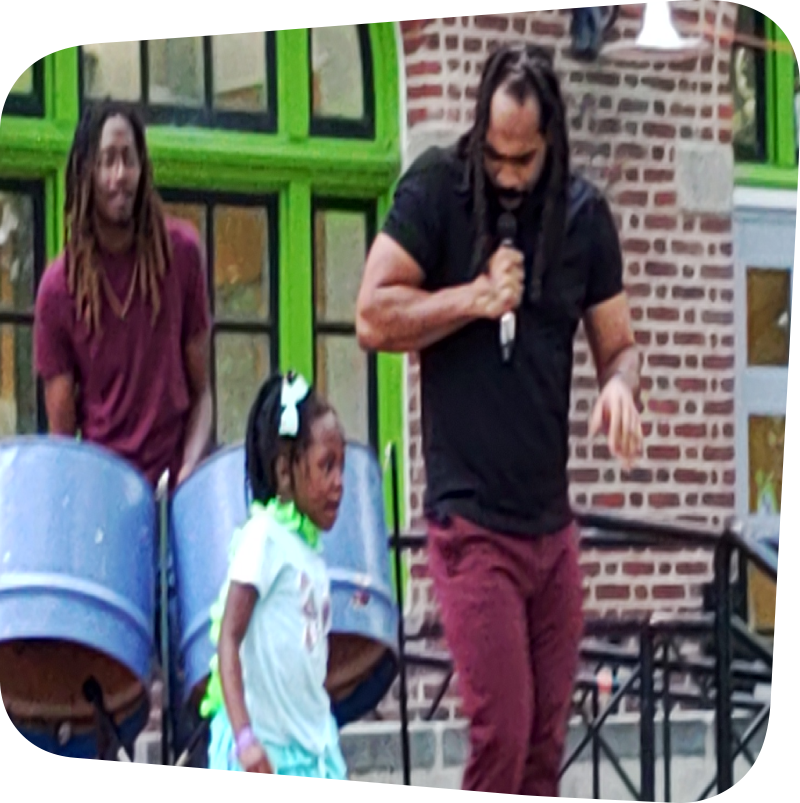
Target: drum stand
x=109, y=744
x=162, y=499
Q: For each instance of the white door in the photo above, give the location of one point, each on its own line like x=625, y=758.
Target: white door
x=764, y=245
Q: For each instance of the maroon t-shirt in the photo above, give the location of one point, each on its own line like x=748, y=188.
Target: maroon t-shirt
x=134, y=393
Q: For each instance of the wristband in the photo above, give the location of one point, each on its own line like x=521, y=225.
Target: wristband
x=244, y=739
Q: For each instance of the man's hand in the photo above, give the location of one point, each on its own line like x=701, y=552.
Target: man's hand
x=500, y=289
x=615, y=413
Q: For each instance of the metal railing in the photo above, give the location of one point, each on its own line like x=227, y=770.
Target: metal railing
x=724, y=682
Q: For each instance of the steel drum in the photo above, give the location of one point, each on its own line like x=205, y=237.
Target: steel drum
x=363, y=643
x=77, y=591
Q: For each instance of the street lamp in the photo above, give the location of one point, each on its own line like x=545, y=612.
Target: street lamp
x=657, y=40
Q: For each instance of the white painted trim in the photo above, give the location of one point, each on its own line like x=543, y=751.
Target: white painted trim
x=759, y=198
x=402, y=89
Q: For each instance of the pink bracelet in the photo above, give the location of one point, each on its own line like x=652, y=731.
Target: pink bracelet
x=244, y=739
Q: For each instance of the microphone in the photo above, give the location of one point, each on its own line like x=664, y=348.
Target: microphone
x=507, y=230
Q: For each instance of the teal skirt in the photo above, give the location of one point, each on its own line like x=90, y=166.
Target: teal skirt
x=291, y=760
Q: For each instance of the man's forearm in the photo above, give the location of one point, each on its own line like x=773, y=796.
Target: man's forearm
x=402, y=319
x=198, y=432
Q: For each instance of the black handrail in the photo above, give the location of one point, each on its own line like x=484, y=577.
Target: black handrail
x=603, y=532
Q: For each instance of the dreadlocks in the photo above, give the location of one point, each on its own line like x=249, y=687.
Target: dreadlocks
x=523, y=71
x=264, y=444
x=151, y=242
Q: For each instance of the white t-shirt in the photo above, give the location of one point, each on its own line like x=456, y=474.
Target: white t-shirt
x=284, y=654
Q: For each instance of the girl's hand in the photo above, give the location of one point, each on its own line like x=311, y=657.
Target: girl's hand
x=254, y=759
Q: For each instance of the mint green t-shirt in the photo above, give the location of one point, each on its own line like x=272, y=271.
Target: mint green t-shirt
x=284, y=654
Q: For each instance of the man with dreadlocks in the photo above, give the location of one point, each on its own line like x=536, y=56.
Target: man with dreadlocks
x=503, y=549
x=121, y=331
x=121, y=328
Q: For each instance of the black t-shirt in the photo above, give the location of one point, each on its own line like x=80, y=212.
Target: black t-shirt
x=495, y=435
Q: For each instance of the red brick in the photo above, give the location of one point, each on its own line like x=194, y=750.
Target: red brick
x=718, y=408
x=712, y=453
x=425, y=91
x=663, y=407
x=716, y=272
x=665, y=199
x=632, y=198
x=712, y=316
x=612, y=592
x=638, y=568
x=489, y=22
x=417, y=116
x=718, y=500
x=685, y=476
x=717, y=362
x=424, y=68
x=687, y=568
x=693, y=385
x=661, y=268
x=653, y=176
x=664, y=360
x=660, y=130
x=682, y=248
x=663, y=314
x=544, y=28
x=636, y=246
x=630, y=150
x=668, y=592
x=715, y=225
x=663, y=84
x=608, y=500
x=690, y=430
x=660, y=222
x=584, y=475
x=663, y=452
x=661, y=501
x=689, y=293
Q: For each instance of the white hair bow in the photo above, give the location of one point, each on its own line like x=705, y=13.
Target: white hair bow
x=295, y=389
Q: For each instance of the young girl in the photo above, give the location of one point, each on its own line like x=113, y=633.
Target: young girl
x=272, y=640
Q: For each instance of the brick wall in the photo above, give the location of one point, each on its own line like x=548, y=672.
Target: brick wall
x=632, y=127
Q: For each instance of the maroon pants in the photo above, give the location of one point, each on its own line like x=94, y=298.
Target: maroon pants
x=511, y=611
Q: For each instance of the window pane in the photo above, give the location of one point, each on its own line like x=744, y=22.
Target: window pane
x=16, y=252
x=240, y=72
x=340, y=245
x=765, y=437
x=112, y=70
x=241, y=262
x=747, y=82
x=242, y=365
x=769, y=297
x=176, y=71
x=341, y=375
x=17, y=384
x=24, y=84
x=337, y=73
x=192, y=213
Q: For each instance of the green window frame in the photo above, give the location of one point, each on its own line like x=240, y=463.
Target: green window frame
x=356, y=162
x=777, y=166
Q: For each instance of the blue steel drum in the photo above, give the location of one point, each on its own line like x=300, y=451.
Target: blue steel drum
x=77, y=590
x=363, y=644
x=204, y=513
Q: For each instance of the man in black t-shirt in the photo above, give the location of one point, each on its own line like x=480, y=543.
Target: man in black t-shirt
x=497, y=225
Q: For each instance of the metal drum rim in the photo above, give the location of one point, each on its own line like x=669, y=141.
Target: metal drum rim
x=62, y=442
x=203, y=467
